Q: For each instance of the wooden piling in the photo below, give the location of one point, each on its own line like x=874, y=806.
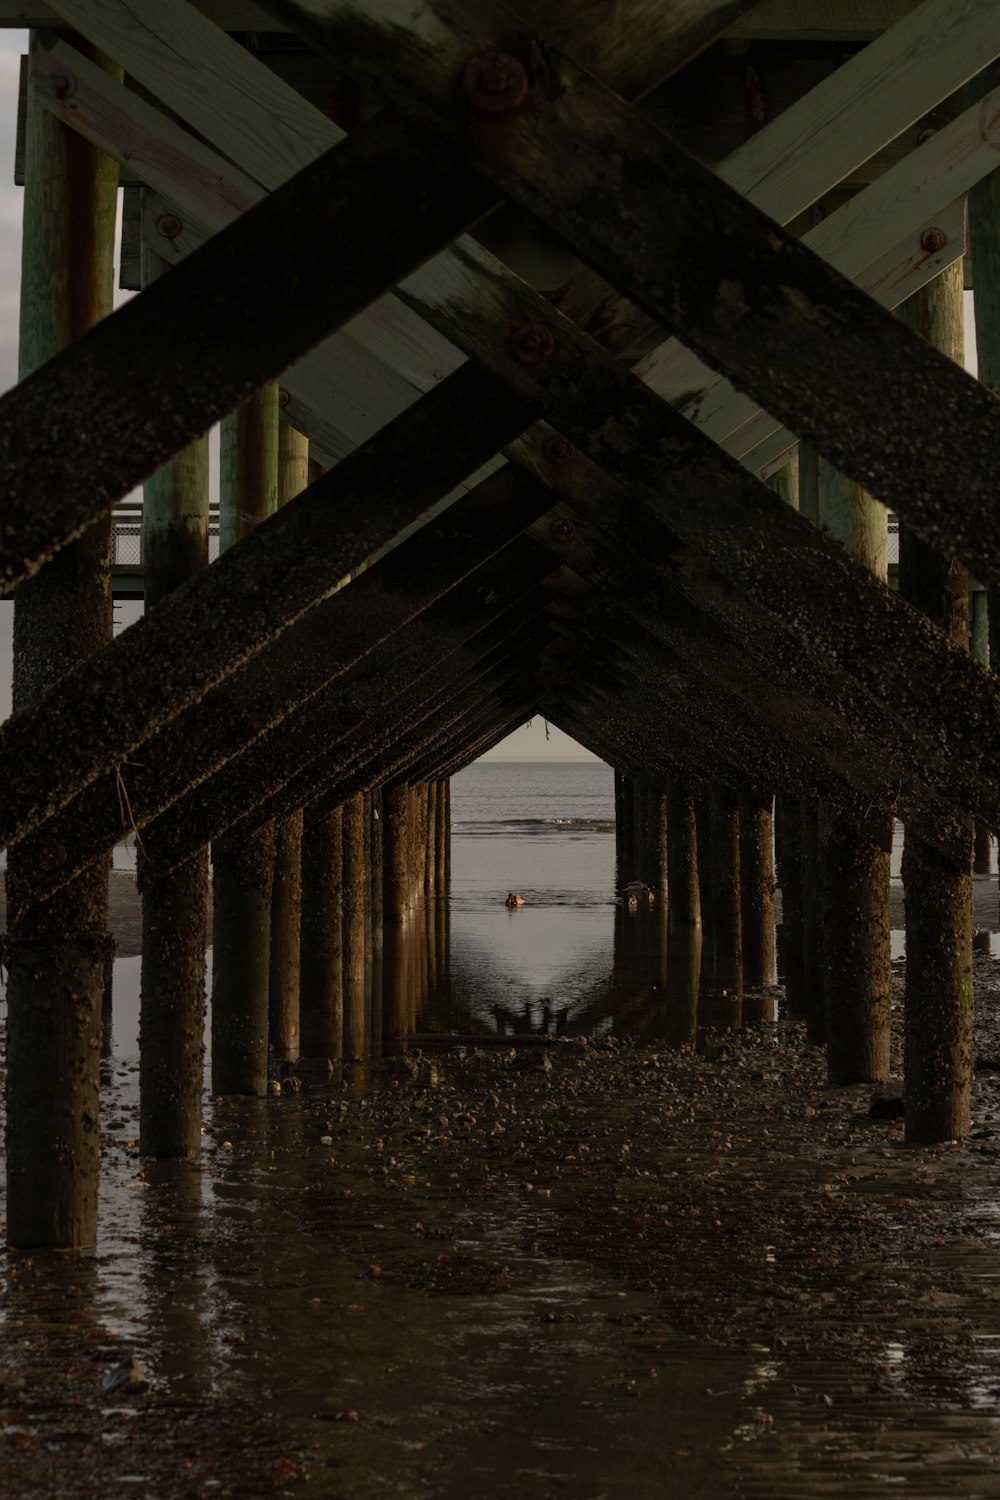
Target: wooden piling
x=853, y=850
x=321, y=977
x=244, y=862
x=355, y=898
x=174, y=902
x=724, y=863
x=937, y=890
x=757, y=892
x=286, y=939
x=790, y=936
x=682, y=858
x=813, y=964
x=658, y=823
x=55, y=950
x=286, y=892
x=395, y=852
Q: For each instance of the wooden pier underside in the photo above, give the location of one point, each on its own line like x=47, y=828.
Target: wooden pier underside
x=549, y=359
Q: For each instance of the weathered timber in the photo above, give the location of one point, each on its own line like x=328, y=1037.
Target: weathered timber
x=831, y=604
x=395, y=853
x=757, y=893
x=241, y=885
x=685, y=901
x=984, y=215
x=286, y=934
x=322, y=961
x=791, y=935
x=813, y=929
x=741, y=748
x=55, y=951
x=297, y=666
x=406, y=730
x=388, y=183
x=379, y=684
x=646, y=601
x=725, y=924
x=355, y=892
x=271, y=130
x=203, y=632
x=286, y=889
x=174, y=903
x=854, y=850
x=755, y=304
x=937, y=893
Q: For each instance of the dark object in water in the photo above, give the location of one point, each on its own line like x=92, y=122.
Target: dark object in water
x=513, y=900
x=886, y=1107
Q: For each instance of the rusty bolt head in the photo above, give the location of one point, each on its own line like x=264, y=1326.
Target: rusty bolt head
x=532, y=343
x=556, y=449
x=495, y=82
x=169, y=225
x=933, y=240
x=562, y=530
x=62, y=85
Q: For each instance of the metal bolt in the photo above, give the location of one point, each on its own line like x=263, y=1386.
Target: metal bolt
x=169, y=225
x=562, y=530
x=933, y=240
x=925, y=135
x=63, y=85
x=284, y=397
x=556, y=449
x=495, y=82
x=532, y=343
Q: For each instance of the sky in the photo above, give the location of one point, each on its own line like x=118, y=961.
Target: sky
x=535, y=741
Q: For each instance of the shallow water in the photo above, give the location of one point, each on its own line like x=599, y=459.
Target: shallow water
x=696, y=1274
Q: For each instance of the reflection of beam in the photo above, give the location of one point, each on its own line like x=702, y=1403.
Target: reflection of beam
x=752, y=301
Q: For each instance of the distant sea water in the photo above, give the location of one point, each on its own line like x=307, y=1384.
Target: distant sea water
x=544, y=830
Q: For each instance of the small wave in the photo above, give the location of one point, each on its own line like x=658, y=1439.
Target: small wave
x=530, y=825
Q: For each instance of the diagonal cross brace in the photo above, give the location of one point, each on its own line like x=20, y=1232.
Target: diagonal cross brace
x=754, y=303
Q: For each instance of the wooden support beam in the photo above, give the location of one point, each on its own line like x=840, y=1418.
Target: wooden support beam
x=256, y=297
x=202, y=632
x=345, y=389
x=715, y=508
x=287, y=675
x=752, y=302
x=280, y=772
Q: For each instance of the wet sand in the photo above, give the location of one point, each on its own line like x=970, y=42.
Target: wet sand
x=579, y=1268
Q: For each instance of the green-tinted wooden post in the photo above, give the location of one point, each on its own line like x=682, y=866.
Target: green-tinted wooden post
x=725, y=927
x=321, y=977
x=938, y=891
x=682, y=858
x=355, y=883
x=174, y=904
x=244, y=863
x=286, y=891
x=56, y=950
x=983, y=217
x=854, y=850
x=757, y=892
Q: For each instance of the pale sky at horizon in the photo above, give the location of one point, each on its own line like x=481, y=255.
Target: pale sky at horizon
x=528, y=743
